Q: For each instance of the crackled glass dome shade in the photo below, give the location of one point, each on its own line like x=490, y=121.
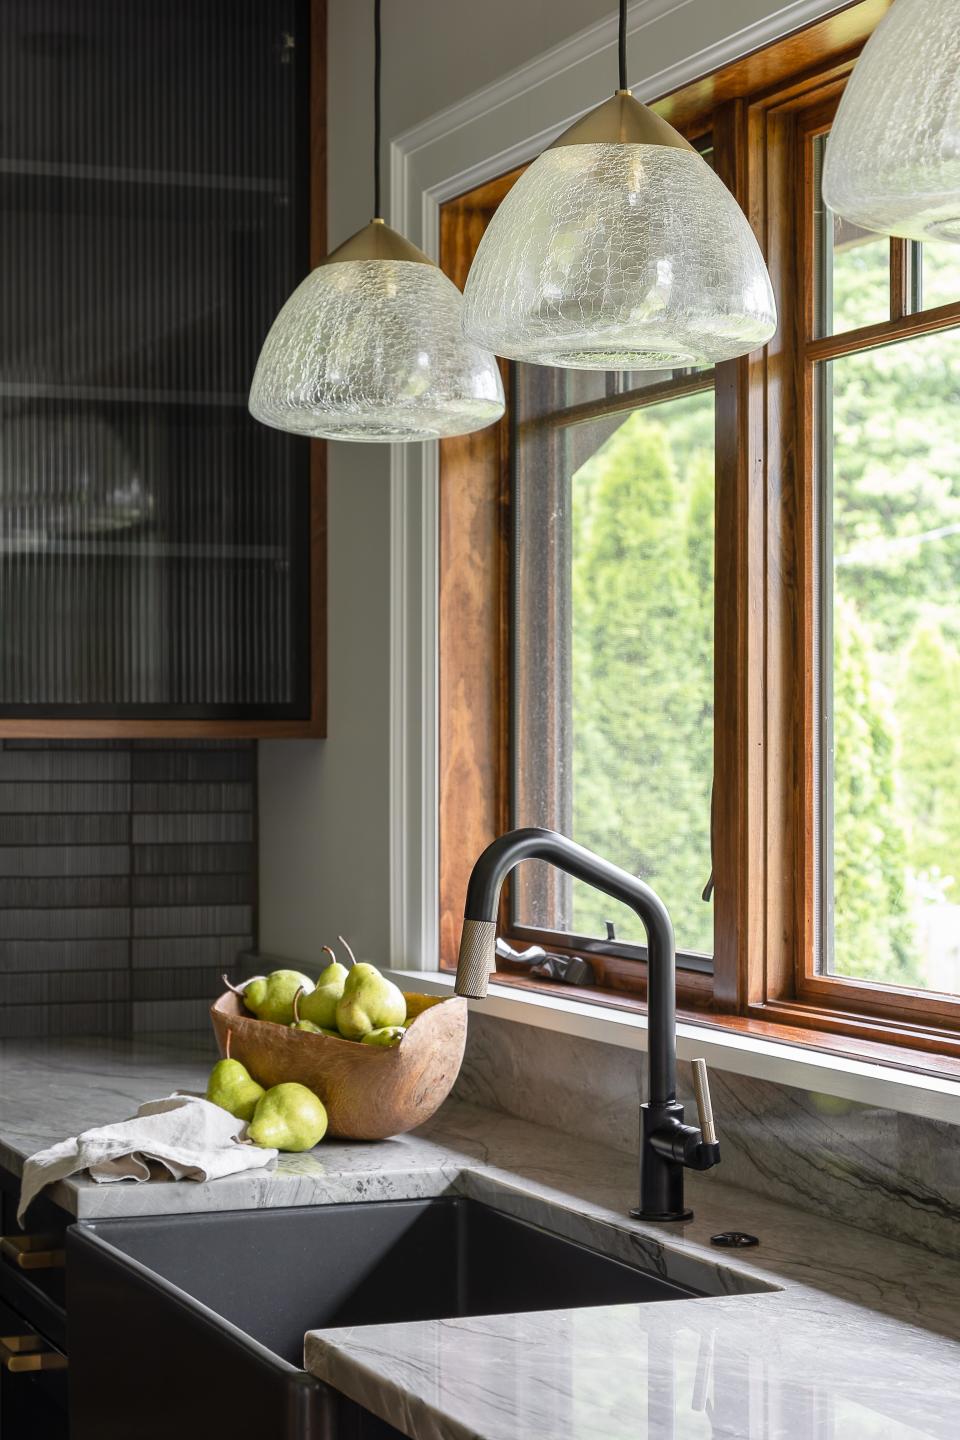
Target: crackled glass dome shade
x=613, y=255
x=374, y=349
x=893, y=155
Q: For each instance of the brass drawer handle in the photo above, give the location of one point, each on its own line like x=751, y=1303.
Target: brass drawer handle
x=23, y=1353
x=33, y=1252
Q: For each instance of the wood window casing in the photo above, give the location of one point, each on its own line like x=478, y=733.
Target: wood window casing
x=792, y=990
x=760, y=113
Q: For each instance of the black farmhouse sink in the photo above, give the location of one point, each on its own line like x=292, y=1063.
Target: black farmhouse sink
x=195, y=1323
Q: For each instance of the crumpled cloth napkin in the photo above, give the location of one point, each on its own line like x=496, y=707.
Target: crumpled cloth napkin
x=185, y=1134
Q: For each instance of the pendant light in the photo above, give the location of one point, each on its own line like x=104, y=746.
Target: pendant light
x=893, y=156
x=371, y=346
x=619, y=248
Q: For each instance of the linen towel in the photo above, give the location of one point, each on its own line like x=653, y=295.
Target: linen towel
x=188, y=1136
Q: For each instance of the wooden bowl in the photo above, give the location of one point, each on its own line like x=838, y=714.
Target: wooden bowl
x=369, y=1092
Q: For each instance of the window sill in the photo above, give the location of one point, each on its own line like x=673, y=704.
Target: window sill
x=886, y=1083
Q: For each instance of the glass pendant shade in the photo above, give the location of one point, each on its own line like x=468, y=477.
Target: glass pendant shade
x=371, y=347
x=619, y=248
x=893, y=155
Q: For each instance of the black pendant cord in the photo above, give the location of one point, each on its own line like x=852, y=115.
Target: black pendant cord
x=376, y=109
x=622, y=44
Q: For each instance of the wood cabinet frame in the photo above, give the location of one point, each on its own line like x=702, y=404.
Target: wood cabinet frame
x=759, y=112
x=315, y=723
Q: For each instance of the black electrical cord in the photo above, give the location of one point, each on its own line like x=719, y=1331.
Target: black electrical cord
x=376, y=109
x=622, y=44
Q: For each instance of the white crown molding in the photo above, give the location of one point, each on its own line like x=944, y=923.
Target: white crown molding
x=594, y=40
x=599, y=40
x=483, y=135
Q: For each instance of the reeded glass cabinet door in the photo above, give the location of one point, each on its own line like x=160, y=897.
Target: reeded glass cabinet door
x=154, y=540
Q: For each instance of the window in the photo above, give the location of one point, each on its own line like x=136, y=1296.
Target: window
x=888, y=612
x=712, y=620
x=612, y=643
x=887, y=674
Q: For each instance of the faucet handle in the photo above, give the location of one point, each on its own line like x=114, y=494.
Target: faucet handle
x=701, y=1090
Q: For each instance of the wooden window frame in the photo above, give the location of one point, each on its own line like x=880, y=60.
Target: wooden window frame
x=614, y=961
x=759, y=112
x=792, y=991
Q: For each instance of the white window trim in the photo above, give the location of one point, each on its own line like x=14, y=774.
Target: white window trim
x=483, y=136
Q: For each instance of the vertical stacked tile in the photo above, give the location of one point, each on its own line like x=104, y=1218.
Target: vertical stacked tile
x=127, y=882
x=194, y=876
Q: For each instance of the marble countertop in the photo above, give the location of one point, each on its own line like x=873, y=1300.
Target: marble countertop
x=850, y=1336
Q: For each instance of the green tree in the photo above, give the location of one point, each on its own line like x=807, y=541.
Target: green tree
x=928, y=707
x=896, y=464
x=873, y=930
x=643, y=638
x=896, y=538
x=643, y=671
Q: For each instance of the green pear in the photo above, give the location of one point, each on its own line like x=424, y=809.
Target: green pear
x=333, y=1034
x=306, y=1026
x=288, y=1117
x=270, y=997
x=369, y=1002
x=320, y=1005
x=387, y=1035
x=233, y=1088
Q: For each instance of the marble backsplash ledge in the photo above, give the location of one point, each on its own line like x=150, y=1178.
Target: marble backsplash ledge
x=895, y=1175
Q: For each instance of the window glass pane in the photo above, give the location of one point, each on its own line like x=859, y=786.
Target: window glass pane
x=890, y=648
x=613, y=652
x=643, y=379
x=940, y=284
x=852, y=266
x=547, y=391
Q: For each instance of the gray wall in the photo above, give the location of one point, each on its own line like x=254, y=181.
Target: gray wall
x=127, y=882
x=324, y=810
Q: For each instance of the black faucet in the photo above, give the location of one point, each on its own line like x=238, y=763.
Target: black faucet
x=667, y=1145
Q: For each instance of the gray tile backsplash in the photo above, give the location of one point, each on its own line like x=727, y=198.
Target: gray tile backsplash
x=128, y=875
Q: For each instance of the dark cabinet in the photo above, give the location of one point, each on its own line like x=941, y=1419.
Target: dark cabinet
x=34, y=1399
x=161, y=567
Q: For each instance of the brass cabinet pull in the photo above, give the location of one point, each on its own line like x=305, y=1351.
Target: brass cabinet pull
x=23, y=1353
x=33, y=1252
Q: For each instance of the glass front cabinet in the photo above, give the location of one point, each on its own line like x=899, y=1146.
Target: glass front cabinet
x=161, y=554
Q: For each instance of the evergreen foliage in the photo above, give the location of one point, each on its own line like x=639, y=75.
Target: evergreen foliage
x=642, y=587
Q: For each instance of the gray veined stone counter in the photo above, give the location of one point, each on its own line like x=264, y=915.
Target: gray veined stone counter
x=855, y=1338
x=749, y=1367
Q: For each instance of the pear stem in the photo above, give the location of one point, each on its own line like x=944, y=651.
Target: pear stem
x=296, y=1005
x=353, y=958
x=237, y=990
x=226, y=1048
x=326, y=950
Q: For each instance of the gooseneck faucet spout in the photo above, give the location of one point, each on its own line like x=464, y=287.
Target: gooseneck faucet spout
x=667, y=1145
